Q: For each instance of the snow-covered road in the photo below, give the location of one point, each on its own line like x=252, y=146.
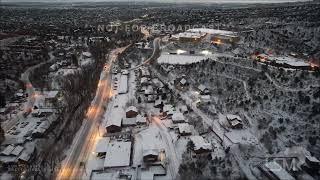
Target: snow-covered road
x=88, y=134
x=174, y=162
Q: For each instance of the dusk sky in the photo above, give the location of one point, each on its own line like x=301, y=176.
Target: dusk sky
x=178, y=1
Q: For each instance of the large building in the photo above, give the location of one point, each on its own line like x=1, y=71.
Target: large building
x=218, y=36
x=118, y=154
x=224, y=39
x=193, y=37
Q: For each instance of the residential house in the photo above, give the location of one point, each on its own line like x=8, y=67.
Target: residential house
x=131, y=112
x=178, y=117
x=234, y=121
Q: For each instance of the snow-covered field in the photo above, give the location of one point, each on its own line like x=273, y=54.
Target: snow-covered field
x=180, y=59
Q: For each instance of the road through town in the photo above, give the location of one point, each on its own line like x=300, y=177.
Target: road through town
x=88, y=134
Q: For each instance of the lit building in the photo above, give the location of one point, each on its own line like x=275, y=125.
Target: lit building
x=224, y=39
x=194, y=37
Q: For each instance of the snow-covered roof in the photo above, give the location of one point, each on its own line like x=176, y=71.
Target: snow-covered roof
x=289, y=60
x=102, y=145
x=132, y=108
x=24, y=156
x=178, y=116
x=167, y=107
x=7, y=151
x=106, y=175
x=200, y=143
x=17, y=150
x=115, y=117
x=278, y=171
x=150, y=139
x=146, y=175
x=123, y=88
x=157, y=82
x=313, y=159
x=184, y=108
x=118, y=154
x=211, y=31
x=202, y=87
x=206, y=98
x=183, y=81
x=235, y=123
x=242, y=137
x=27, y=152
x=129, y=121
x=184, y=128
x=86, y=54
x=147, y=152
x=233, y=117
x=141, y=119
x=180, y=59
x=190, y=34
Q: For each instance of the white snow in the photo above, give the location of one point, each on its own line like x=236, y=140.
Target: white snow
x=115, y=117
x=102, y=145
x=200, y=143
x=118, y=154
x=211, y=31
x=277, y=170
x=289, y=60
x=178, y=117
x=190, y=34
x=180, y=59
x=184, y=128
x=242, y=136
x=123, y=88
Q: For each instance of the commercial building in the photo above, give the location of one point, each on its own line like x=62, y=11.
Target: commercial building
x=224, y=39
x=102, y=146
x=192, y=37
x=118, y=154
x=123, y=88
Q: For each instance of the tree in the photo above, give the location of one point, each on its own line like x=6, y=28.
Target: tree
x=75, y=60
x=190, y=146
x=2, y=101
